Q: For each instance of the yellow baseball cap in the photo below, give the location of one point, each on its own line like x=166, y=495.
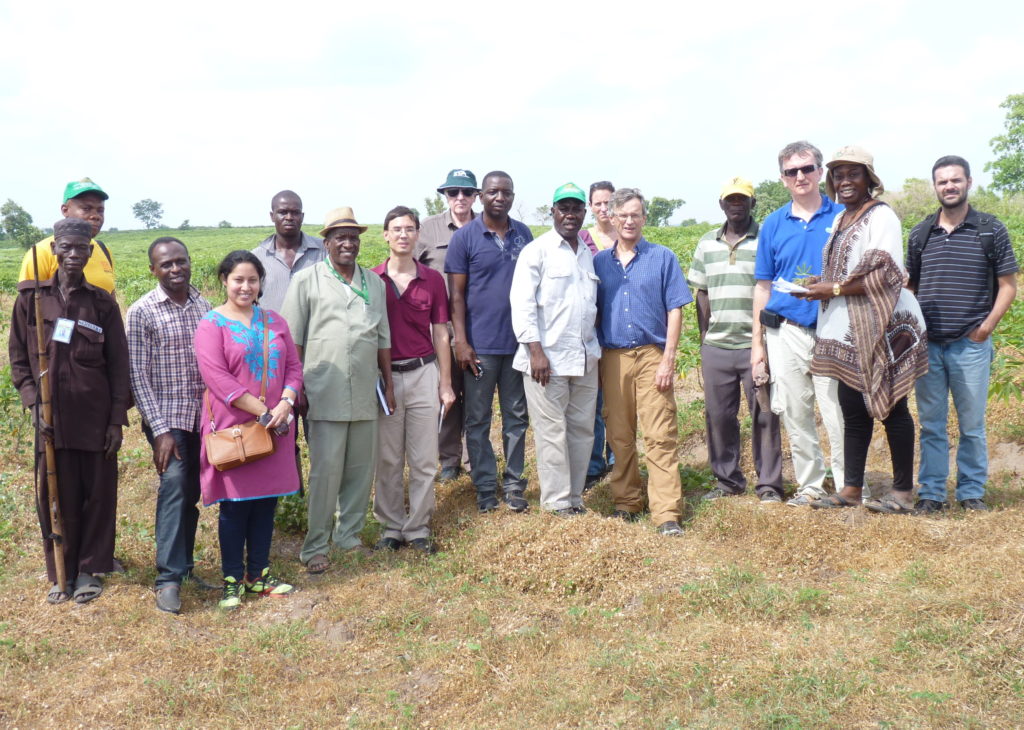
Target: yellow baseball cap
x=738, y=185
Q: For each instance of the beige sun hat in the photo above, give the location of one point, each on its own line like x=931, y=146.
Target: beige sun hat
x=851, y=153
x=342, y=217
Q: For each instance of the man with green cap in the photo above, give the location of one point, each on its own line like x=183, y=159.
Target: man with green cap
x=86, y=200
x=436, y=231
x=554, y=308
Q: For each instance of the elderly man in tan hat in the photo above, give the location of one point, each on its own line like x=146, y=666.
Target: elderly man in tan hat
x=337, y=311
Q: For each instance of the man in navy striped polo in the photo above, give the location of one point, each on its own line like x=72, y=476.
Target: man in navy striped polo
x=963, y=270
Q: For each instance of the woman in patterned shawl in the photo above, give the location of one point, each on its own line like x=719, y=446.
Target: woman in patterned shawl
x=871, y=334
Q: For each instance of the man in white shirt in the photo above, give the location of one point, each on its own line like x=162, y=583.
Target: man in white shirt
x=554, y=308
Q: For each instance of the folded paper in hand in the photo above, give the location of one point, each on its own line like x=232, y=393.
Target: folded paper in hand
x=788, y=287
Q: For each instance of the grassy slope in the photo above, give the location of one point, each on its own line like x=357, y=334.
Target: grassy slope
x=758, y=616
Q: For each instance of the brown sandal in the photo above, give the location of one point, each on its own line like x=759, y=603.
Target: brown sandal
x=317, y=564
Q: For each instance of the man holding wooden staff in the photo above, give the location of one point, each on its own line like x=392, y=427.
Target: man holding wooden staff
x=86, y=364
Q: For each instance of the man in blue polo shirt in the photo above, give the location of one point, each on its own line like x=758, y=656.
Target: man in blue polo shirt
x=639, y=303
x=480, y=263
x=790, y=244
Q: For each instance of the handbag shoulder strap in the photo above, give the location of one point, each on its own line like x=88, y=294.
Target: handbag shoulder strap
x=209, y=410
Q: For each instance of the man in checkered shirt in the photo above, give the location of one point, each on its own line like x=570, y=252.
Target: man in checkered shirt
x=168, y=393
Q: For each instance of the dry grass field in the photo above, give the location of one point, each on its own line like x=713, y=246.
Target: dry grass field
x=759, y=616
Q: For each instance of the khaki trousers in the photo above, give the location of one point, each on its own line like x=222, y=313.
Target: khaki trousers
x=627, y=379
x=562, y=416
x=408, y=436
x=342, y=455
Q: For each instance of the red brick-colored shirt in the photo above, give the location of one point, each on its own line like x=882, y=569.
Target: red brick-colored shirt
x=423, y=303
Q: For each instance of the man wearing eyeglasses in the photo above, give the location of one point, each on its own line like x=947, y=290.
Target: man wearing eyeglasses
x=640, y=298
x=436, y=232
x=790, y=244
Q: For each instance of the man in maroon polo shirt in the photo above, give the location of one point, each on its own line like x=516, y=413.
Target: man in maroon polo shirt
x=421, y=370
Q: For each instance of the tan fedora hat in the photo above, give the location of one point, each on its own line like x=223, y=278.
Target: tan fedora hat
x=342, y=217
x=853, y=154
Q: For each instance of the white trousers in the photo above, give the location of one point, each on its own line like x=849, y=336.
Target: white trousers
x=794, y=392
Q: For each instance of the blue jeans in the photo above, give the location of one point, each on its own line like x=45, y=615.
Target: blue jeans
x=962, y=368
x=246, y=528
x=601, y=456
x=498, y=374
x=177, y=511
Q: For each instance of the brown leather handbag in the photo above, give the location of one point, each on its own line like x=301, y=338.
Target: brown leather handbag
x=247, y=442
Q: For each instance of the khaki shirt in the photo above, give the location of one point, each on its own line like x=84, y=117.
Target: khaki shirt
x=340, y=334
x=435, y=234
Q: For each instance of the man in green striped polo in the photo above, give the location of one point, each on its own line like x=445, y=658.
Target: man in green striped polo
x=722, y=277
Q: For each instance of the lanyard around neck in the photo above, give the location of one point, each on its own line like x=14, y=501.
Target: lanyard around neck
x=361, y=291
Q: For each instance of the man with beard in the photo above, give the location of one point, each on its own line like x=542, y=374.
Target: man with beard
x=480, y=263
x=86, y=200
x=963, y=270
x=554, y=307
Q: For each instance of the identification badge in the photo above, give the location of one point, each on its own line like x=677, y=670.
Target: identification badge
x=62, y=331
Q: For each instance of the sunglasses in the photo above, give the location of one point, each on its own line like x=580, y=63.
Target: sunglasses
x=456, y=192
x=794, y=171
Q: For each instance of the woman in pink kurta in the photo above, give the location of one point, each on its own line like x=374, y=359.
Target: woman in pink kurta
x=229, y=349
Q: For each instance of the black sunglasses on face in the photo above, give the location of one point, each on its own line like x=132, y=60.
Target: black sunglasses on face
x=806, y=170
x=456, y=192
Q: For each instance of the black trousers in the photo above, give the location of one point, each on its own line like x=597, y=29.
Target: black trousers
x=858, y=426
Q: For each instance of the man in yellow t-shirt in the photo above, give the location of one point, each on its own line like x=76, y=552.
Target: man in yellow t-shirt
x=82, y=199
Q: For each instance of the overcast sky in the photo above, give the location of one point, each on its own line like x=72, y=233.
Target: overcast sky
x=212, y=107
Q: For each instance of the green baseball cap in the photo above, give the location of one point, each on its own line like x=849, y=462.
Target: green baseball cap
x=79, y=187
x=459, y=178
x=570, y=191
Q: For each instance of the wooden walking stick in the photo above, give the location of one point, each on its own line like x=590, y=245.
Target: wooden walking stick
x=45, y=414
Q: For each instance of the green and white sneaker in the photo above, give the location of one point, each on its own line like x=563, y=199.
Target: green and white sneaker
x=267, y=585
x=233, y=594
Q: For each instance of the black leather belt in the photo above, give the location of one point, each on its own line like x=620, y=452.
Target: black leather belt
x=405, y=366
